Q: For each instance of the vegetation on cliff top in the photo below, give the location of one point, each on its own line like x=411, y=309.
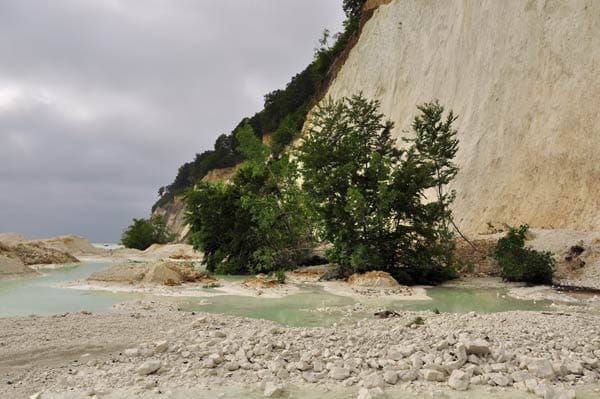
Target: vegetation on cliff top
x=283, y=114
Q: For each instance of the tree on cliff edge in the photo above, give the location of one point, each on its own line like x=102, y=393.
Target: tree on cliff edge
x=353, y=8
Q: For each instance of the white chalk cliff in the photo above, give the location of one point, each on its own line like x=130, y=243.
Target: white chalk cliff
x=524, y=78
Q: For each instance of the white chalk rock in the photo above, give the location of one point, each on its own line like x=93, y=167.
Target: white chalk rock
x=365, y=393
x=273, y=390
x=391, y=377
x=478, y=347
x=433, y=375
x=132, y=352
x=232, y=366
x=541, y=368
x=373, y=380
x=303, y=366
x=459, y=380
x=149, y=367
x=551, y=392
x=339, y=373
x=161, y=346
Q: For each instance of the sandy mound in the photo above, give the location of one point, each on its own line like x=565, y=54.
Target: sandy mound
x=173, y=251
x=36, y=253
x=163, y=272
x=374, y=279
x=12, y=238
x=73, y=245
x=310, y=273
x=259, y=281
x=13, y=267
x=122, y=273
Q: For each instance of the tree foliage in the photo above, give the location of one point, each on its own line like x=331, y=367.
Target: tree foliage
x=283, y=115
x=519, y=263
x=144, y=232
x=353, y=8
x=256, y=223
x=370, y=196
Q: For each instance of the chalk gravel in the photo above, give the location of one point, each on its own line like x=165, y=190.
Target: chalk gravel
x=147, y=348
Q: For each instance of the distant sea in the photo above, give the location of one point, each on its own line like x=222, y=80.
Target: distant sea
x=108, y=245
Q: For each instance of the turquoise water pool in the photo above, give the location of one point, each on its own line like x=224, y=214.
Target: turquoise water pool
x=42, y=295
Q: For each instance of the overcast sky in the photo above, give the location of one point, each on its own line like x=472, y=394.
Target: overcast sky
x=102, y=100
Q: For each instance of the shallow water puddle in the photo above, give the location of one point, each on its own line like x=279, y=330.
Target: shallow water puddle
x=313, y=306
x=38, y=295
x=316, y=307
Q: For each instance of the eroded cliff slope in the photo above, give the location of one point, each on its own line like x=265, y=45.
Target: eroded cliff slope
x=524, y=77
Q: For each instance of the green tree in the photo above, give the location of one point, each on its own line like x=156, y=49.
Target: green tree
x=353, y=8
x=519, y=263
x=144, y=232
x=256, y=223
x=435, y=143
x=370, y=196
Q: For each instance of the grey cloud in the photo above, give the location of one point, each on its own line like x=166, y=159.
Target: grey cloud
x=102, y=100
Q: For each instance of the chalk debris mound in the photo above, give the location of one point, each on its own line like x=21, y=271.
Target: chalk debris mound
x=373, y=279
x=162, y=272
x=11, y=266
x=71, y=244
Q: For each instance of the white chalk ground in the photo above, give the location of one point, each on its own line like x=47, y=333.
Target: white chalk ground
x=186, y=290
x=405, y=294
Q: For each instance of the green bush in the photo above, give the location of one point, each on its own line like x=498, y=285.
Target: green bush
x=258, y=222
x=519, y=263
x=144, y=232
x=279, y=276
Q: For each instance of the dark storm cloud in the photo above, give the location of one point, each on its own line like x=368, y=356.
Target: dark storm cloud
x=102, y=100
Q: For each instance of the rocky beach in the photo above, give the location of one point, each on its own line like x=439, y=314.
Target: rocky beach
x=156, y=347
x=148, y=348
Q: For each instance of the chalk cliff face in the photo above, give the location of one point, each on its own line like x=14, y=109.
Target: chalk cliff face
x=524, y=78
x=173, y=214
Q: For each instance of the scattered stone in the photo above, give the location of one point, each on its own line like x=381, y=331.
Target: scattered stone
x=161, y=346
x=478, y=347
x=373, y=381
x=273, y=390
x=391, y=377
x=149, y=367
x=459, y=380
x=541, y=368
x=339, y=373
x=433, y=375
x=552, y=392
x=365, y=393
x=132, y=352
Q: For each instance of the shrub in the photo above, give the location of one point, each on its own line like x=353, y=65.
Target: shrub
x=144, y=232
x=255, y=224
x=279, y=276
x=519, y=263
